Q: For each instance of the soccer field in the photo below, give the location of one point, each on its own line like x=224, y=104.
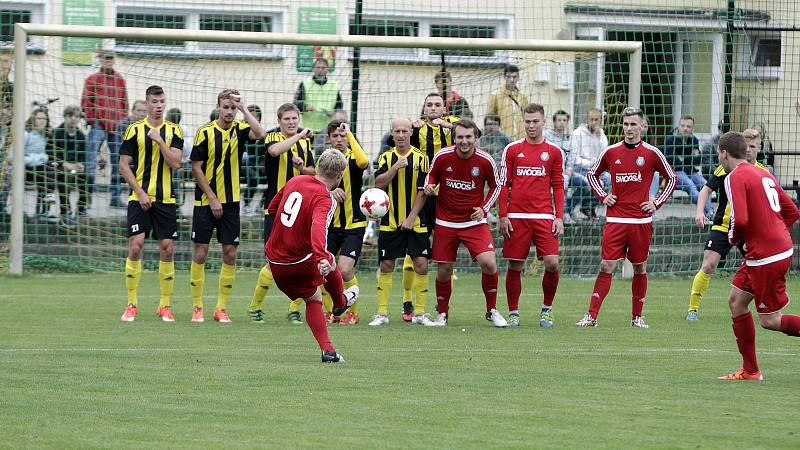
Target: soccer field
x=74, y=376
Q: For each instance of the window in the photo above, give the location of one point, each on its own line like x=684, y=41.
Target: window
x=20, y=12
x=265, y=20
x=422, y=26
x=759, y=55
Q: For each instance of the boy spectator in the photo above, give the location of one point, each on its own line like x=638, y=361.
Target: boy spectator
x=68, y=156
x=493, y=140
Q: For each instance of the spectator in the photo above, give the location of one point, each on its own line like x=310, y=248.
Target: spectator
x=36, y=159
x=454, y=104
x=493, y=140
x=105, y=105
x=507, y=102
x=137, y=113
x=67, y=153
x=682, y=151
x=559, y=135
x=318, y=98
x=252, y=169
x=6, y=86
x=587, y=142
x=5, y=153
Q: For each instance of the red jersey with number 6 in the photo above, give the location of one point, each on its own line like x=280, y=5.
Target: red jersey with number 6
x=302, y=211
x=761, y=213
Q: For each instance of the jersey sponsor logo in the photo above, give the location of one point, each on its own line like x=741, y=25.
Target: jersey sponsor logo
x=617, y=162
x=531, y=171
x=475, y=171
x=545, y=156
x=640, y=161
x=629, y=177
x=460, y=185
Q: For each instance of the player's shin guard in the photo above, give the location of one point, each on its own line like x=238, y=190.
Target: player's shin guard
x=638, y=294
x=227, y=274
x=699, y=288
x=384, y=291
x=443, y=291
x=335, y=287
x=421, y=291
x=790, y=324
x=408, y=278
x=513, y=289
x=262, y=286
x=745, y=332
x=347, y=285
x=489, y=286
x=133, y=273
x=197, y=281
x=166, y=275
x=601, y=287
x=549, y=287
x=318, y=325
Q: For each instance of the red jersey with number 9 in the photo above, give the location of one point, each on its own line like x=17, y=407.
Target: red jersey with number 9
x=303, y=209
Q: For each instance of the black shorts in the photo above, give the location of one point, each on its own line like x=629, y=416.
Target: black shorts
x=204, y=223
x=398, y=244
x=718, y=242
x=161, y=219
x=267, y=227
x=346, y=242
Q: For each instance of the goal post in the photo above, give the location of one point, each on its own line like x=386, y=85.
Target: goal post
x=22, y=31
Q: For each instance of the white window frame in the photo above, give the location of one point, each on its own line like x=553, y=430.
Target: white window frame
x=192, y=13
x=504, y=26
x=745, y=59
x=39, y=12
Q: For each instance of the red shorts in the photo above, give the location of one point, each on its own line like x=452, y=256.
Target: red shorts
x=767, y=284
x=297, y=280
x=627, y=240
x=477, y=239
x=527, y=231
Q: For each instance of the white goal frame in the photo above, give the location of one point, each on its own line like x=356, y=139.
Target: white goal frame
x=23, y=30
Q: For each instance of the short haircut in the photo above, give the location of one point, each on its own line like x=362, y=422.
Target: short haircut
x=751, y=134
x=138, y=102
x=734, y=143
x=595, y=110
x=443, y=75
x=509, y=69
x=333, y=125
x=174, y=115
x=687, y=117
x=226, y=95
x=560, y=112
x=153, y=90
x=72, y=110
x=286, y=107
x=434, y=94
x=468, y=124
x=322, y=60
x=331, y=163
x=633, y=111
x=493, y=117
x=531, y=108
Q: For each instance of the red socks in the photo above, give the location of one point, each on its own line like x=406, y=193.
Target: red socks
x=489, y=285
x=745, y=332
x=790, y=324
x=443, y=291
x=549, y=287
x=319, y=327
x=335, y=287
x=513, y=288
x=601, y=287
x=639, y=292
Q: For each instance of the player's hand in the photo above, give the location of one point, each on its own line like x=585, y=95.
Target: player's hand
x=325, y=267
x=144, y=199
x=477, y=214
x=216, y=207
x=505, y=227
x=700, y=219
x=155, y=135
x=339, y=195
x=297, y=162
x=558, y=227
x=306, y=133
x=237, y=102
x=440, y=122
x=430, y=190
x=648, y=207
x=401, y=163
x=407, y=224
x=345, y=127
x=417, y=123
x=610, y=200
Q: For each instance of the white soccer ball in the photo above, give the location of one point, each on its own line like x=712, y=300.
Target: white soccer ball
x=374, y=203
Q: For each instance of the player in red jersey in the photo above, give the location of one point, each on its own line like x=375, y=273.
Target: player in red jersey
x=529, y=170
x=761, y=214
x=629, y=214
x=297, y=247
x=462, y=172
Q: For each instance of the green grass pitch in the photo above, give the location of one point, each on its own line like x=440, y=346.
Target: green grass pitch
x=73, y=376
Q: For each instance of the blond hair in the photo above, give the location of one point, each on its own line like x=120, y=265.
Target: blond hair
x=331, y=163
x=751, y=134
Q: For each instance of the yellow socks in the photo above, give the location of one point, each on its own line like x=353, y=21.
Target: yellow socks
x=347, y=284
x=197, y=281
x=327, y=301
x=296, y=304
x=262, y=286
x=133, y=273
x=226, y=276
x=384, y=291
x=166, y=276
x=421, y=291
x=699, y=288
x=408, y=278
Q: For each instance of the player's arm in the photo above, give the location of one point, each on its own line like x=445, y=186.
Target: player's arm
x=494, y=187
x=671, y=181
x=506, y=167
x=789, y=210
x=127, y=149
x=257, y=131
x=323, y=209
x=281, y=147
x=362, y=161
x=700, y=211
x=737, y=200
x=594, y=181
x=557, y=184
x=275, y=203
x=202, y=182
x=426, y=189
x=306, y=162
x=171, y=155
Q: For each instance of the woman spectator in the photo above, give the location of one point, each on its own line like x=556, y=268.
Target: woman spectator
x=36, y=173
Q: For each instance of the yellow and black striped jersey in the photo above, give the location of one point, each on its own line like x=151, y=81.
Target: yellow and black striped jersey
x=432, y=138
x=403, y=188
x=348, y=215
x=722, y=217
x=279, y=168
x=152, y=172
x=220, y=151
